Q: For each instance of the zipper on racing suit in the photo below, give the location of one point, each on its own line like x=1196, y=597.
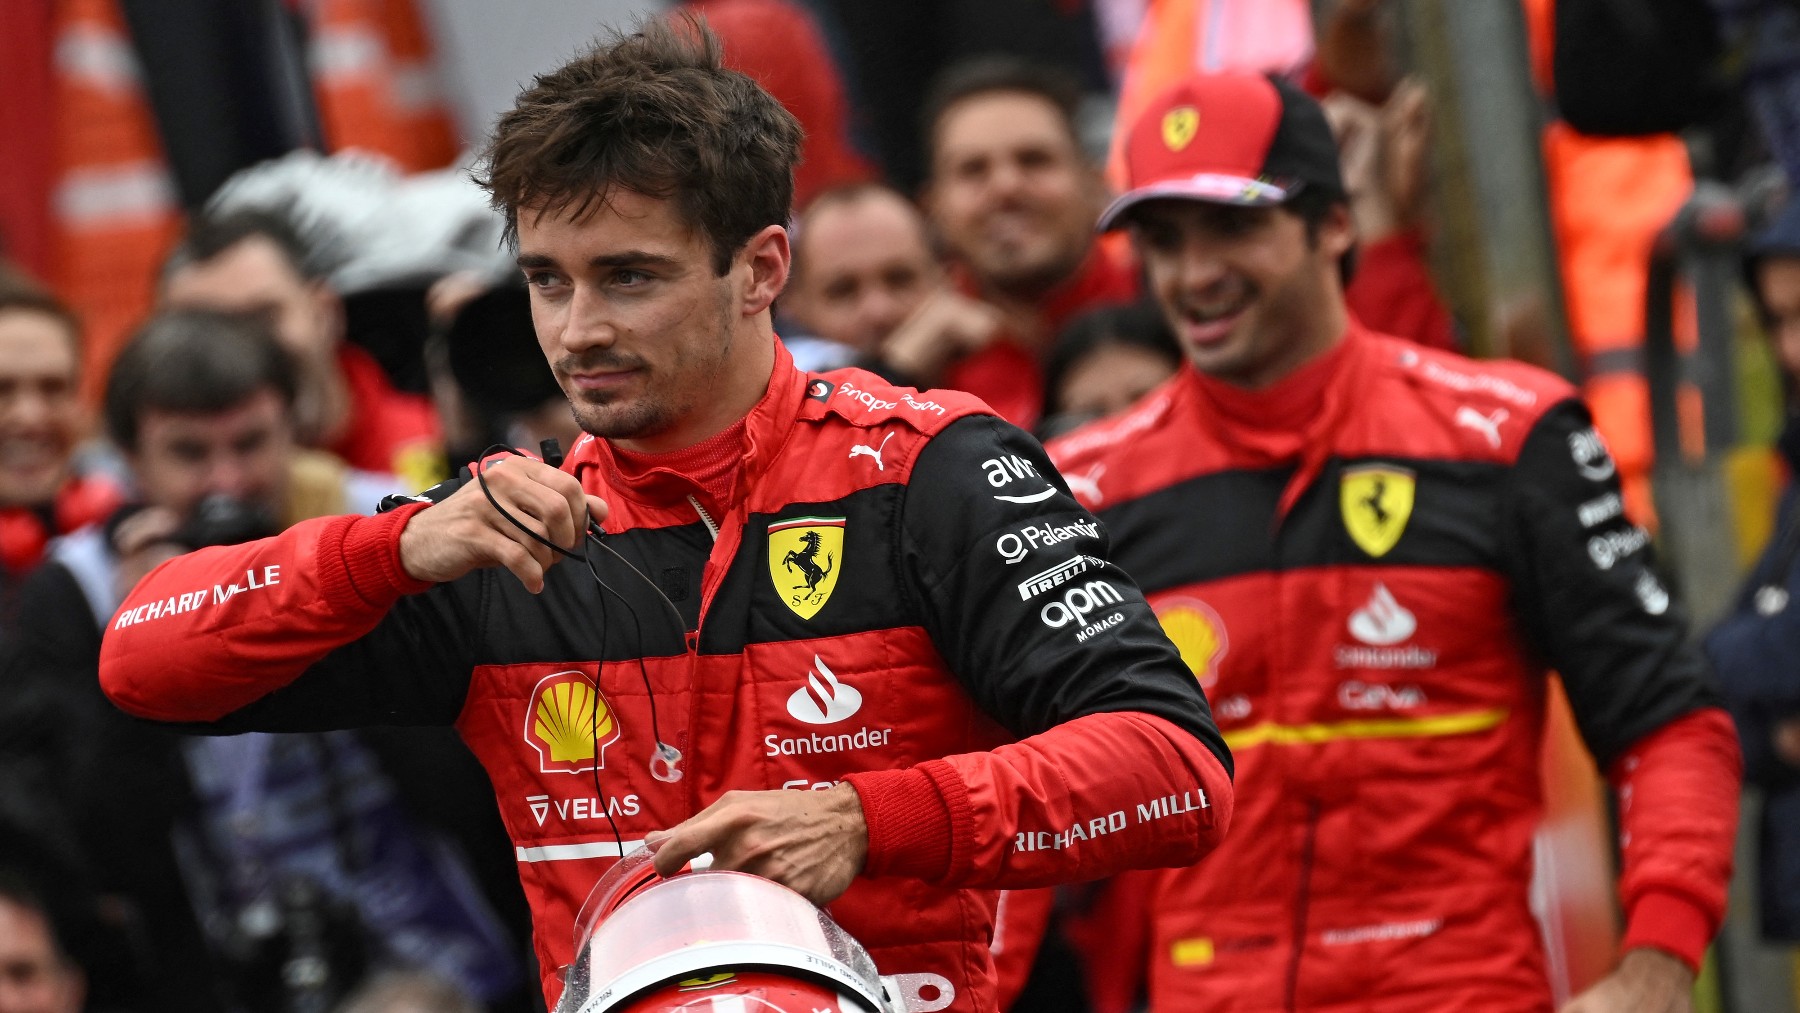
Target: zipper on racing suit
x=693, y=654
x=1300, y=898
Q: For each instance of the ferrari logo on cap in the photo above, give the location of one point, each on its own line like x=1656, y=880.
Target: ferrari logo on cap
x=1179, y=126
x=804, y=557
x=1376, y=502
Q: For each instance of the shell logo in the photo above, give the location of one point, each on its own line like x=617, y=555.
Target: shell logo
x=570, y=724
x=1198, y=633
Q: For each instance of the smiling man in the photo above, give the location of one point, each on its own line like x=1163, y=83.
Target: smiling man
x=1370, y=554
x=1013, y=198
x=847, y=652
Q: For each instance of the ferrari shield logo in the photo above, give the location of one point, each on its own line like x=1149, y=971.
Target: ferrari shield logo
x=1179, y=126
x=804, y=558
x=1376, y=502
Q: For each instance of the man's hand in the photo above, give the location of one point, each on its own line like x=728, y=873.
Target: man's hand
x=812, y=842
x=1646, y=981
x=465, y=532
x=947, y=326
x=142, y=543
x=1786, y=740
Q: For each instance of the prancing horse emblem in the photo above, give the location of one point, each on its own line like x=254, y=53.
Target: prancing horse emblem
x=805, y=556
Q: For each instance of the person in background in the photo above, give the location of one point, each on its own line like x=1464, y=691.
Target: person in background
x=867, y=289
x=41, y=422
x=37, y=974
x=1013, y=198
x=249, y=261
x=1371, y=554
x=1104, y=362
x=237, y=844
x=408, y=992
x=1754, y=647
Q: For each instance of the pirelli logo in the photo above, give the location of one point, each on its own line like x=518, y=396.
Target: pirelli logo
x=1061, y=573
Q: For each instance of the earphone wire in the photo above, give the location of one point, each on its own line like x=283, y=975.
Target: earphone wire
x=593, y=536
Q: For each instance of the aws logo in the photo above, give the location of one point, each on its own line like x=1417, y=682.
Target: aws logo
x=570, y=724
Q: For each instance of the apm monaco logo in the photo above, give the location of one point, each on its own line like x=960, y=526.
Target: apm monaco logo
x=823, y=700
x=570, y=724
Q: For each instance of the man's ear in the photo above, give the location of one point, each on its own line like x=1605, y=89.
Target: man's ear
x=769, y=258
x=1337, y=231
x=330, y=308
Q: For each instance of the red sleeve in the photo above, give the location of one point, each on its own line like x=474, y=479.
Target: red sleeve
x=1094, y=796
x=248, y=619
x=1678, y=813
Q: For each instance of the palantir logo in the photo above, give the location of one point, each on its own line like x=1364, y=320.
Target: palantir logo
x=1382, y=620
x=823, y=700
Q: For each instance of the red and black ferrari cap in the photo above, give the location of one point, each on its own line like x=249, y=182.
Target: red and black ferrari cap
x=1237, y=138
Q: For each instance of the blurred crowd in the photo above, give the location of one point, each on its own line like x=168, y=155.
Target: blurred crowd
x=325, y=331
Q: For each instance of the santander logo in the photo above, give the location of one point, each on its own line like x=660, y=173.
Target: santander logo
x=823, y=700
x=1382, y=620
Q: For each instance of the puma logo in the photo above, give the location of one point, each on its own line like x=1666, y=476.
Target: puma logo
x=864, y=450
x=1486, y=425
x=1087, y=487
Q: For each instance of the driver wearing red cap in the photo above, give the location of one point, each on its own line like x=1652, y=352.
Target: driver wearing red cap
x=1371, y=554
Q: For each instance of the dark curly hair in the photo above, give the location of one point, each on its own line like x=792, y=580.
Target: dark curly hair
x=654, y=112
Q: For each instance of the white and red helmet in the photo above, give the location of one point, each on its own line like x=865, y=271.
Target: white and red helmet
x=712, y=942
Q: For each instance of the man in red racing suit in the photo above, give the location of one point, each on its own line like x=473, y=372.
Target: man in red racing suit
x=812, y=655
x=1369, y=554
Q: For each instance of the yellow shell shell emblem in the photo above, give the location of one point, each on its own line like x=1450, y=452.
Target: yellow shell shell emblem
x=1198, y=633
x=570, y=724
x=1376, y=501
x=805, y=555
x=1179, y=125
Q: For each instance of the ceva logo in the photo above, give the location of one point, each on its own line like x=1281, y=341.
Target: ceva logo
x=823, y=700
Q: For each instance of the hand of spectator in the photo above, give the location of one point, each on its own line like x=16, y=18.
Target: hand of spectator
x=946, y=327
x=812, y=842
x=1405, y=150
x=142, y=544
x=1646, y=981
x=1357, y=126
x=1786, y=740
x=465, y=532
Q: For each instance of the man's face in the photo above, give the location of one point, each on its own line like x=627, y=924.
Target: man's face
x=1010, y=191
x=862, y=267
x=34, y=978
x=242, y=452
x=1247, y=293
x=643, y=336
x=1778, y=288
x=1110, y=379
x=255, y=276
x=40, y=416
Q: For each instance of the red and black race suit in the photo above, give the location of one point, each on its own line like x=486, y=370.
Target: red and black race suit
x=1370, y=568
x=901, y=593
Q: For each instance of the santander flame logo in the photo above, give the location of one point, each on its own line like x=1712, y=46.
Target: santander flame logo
x=1382, y=620
x=823, y=700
